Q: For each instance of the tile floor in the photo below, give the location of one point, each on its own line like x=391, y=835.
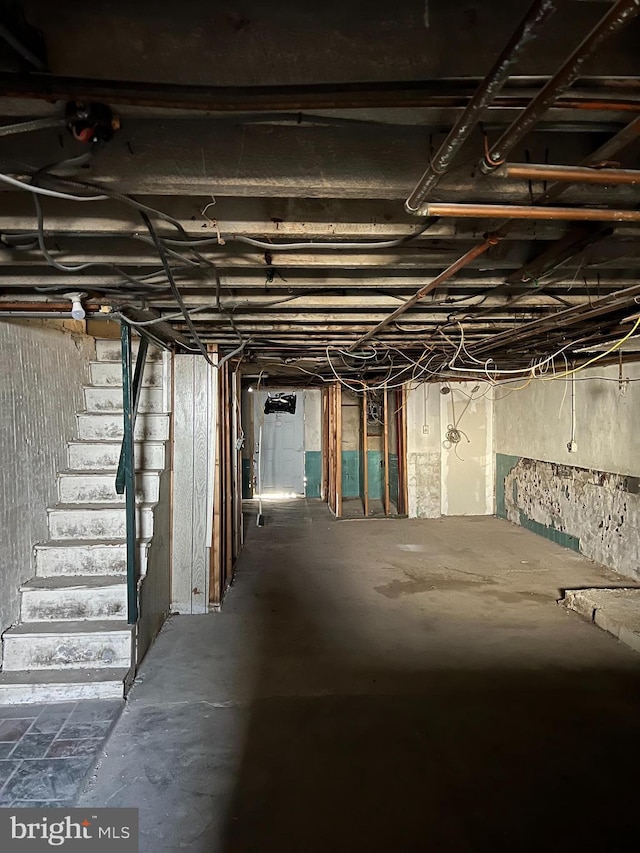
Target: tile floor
x=47, y=750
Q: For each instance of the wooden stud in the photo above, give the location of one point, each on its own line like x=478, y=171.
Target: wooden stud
x=215, y=581
x=386, y=453
x=402, y=457
x=338, y=450
x=324, y=493
x=365, y=457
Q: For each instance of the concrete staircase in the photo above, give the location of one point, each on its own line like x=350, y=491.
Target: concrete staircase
x=73, y=640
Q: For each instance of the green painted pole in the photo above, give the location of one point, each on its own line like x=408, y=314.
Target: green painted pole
x=129, y=474
x=135, y=396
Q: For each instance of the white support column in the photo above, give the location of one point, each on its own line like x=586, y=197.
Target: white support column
x=195, y=390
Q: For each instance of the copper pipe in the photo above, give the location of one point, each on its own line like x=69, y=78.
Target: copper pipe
x=420, y=294
x=531, y=24
x=523, y=211
x=57, y=307
x=615, y=19
x=610, y=148
x=570, y=174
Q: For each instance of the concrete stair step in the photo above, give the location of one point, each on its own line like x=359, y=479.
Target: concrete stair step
x=105, y=374
x=65, y=645
x=99, y=487
x=96, y=427
x=97, y=521
x=59, y=685
x=68, y=558
x=104, y=455
x=74, y=598
x=110, y=399
x=109, y=350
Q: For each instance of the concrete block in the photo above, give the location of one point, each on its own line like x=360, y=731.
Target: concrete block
x=105, y=374
x=95, y=487
x=63, y=645
x=104, y=455
x=110, y=399
x=73, y=598
x=59, y=685
x=95, y=427
x=615, y=610
x=109, y=350
x=69, y=558
x=97, y=522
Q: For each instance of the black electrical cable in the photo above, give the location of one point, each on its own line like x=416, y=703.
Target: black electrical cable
x=174, y=288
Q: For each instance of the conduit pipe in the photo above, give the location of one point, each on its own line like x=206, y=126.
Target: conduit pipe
x=420, y=294
x=571, y=174
x=616, y=18
x=523, y=211
x=527, y=31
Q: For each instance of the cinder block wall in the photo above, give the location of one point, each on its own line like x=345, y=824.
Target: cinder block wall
x=587, y=500
x=44, y=366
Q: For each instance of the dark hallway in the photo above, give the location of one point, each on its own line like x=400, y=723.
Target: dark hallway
x=383, y=685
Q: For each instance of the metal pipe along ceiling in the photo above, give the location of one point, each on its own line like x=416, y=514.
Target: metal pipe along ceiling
x=572, y=174
x=530, y=26
x=522, y=211
x=616, y=18
x=462, y=262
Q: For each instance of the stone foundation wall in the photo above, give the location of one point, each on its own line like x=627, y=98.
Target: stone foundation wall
x=594, y=512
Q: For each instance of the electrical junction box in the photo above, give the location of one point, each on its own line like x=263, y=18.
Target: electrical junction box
x=572, y=446
x=425, y=429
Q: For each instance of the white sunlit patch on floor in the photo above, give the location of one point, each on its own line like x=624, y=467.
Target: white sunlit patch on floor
x=409, y=547
x=279, y=496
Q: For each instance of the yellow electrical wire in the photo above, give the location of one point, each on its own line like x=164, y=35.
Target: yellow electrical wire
x=592, y=360
x=518, y=387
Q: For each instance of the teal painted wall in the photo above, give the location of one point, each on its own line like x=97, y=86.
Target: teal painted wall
x=504, y=464
x=350, y=473
x=312, y=473
x=376, y=474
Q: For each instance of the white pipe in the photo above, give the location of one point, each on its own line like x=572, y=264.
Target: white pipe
x=259, y=476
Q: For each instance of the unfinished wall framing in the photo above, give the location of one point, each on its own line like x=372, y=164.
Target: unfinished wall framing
x=366, y=452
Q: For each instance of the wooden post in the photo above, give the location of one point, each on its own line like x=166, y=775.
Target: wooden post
x=386, y=452
x=324, y=494
x=338, y=450
x=330, y=448
x=237, y=491
x=215, y=567
x=228, y=506
x=365, y=457
x=403, y=487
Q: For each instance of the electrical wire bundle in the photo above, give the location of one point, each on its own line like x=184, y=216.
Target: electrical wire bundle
x=375, y=368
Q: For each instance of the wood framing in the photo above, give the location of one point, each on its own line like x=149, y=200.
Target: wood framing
x=386, y=497
x=365, y=457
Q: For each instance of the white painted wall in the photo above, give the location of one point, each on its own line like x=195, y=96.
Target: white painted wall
x=467, y=469
x=44, y=366
x=439, y=482
x=536, y=422
x=313, y=420
x=423, y=451
x=194, y=441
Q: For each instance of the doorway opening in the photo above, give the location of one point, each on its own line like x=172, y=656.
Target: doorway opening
x=365, y=463
x=282, y=454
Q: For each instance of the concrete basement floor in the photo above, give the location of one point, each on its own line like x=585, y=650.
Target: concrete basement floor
x=396, y=685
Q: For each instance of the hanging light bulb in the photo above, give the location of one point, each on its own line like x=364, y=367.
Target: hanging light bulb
x=76, y=297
